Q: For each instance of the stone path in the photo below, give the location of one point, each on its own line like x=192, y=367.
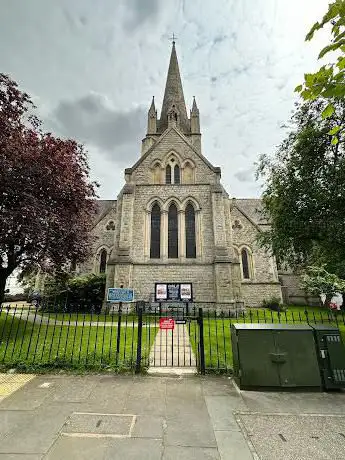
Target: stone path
x=172, y=348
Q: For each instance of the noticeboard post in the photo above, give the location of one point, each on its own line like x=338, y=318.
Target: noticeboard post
x=120, y=295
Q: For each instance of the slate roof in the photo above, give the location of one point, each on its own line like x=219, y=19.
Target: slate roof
x=252, y=208
x=102, y=208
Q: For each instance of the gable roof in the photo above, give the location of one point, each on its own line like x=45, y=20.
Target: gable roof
x=102, y=209
x=252, y=208
x=216, y=169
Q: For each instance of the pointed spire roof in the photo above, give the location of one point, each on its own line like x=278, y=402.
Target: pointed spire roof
x=194, y=106
x=173, y=95
x=152, y=108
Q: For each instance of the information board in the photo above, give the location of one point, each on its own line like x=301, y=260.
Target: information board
x=120, y=295
x=173, y=292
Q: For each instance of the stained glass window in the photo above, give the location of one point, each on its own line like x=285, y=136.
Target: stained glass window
x=103, y=261
x=168, y=175
x=155, y=249
x=190, y=232
x=245, y=264
x=172, y=232
x=176, y=174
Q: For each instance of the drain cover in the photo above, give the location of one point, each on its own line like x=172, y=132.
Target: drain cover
x=94, y=424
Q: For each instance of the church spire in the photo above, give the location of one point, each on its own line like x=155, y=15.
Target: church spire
x=174, y=107
x=194, y=118
x=152, y=118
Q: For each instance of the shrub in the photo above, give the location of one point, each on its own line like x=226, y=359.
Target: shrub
x=82, y=293
x=274, y=303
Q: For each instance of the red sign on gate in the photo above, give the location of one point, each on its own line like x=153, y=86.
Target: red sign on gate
x=166, y=323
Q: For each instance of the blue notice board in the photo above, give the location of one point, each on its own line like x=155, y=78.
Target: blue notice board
x=120, y=295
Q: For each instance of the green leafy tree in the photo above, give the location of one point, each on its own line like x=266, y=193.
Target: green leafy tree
x=329, y=81
x=304, y=193
x=317, y=281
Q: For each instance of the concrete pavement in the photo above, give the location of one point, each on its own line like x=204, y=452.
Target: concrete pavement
x=142, y=417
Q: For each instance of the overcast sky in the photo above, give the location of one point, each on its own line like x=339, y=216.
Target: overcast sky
x=92, y=68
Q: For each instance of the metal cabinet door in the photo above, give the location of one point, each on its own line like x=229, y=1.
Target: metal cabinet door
x=336, y=358
x=255, y=365
x=300, y=367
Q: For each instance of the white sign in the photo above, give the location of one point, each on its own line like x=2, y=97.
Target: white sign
x=161, y=292
x=186, y=291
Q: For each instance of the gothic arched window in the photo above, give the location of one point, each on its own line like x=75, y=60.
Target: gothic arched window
x=176, y=174
x=103, y=261
x=157, y=174
x=188, y=174
x=190, y=232
x=246, y=265
x=155, y=247
x=168, y=174
x=172, y=232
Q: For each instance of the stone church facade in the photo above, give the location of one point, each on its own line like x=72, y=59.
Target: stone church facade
x=174, y=222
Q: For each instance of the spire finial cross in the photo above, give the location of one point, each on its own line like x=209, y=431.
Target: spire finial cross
x=173, y=38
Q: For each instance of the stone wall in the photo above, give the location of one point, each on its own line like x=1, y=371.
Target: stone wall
x=101, y=238
x=202, y=277
x=253, y=294
x=144, y=195
x=264, y=266
x=173, y=142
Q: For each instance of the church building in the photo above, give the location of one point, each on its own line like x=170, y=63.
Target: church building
x=173, y=222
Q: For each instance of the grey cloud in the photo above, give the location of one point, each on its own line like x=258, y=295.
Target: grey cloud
x=245, y=175
x=219, y=39
x=141, y=11
x=91, y=121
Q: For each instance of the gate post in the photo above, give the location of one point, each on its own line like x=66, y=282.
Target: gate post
x=118, y=333
x=140, y=330
x=201, y=342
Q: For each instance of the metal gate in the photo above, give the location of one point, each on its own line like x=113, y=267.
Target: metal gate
x=173, y=336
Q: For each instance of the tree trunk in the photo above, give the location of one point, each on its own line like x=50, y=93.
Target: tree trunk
x=3, y=279
x=343, y=304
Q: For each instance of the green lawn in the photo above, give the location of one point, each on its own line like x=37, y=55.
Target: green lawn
x=93, y=317
x=217, y=335
x=34, y=345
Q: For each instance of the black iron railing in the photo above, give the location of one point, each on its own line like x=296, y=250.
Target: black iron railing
x=131, y=339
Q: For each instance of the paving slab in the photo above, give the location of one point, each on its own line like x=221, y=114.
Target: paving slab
x=232, y=446
x=78, y=449
x=148, y=426
x=221, y=410
x=73, y=389
x=134, y=449
x=193, y=429
x=190, y=453
x=218, y=386
x=29, y=397
x=35, y=432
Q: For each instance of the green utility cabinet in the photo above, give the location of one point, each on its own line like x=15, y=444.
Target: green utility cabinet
x=331, y=355
x=286, y=355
